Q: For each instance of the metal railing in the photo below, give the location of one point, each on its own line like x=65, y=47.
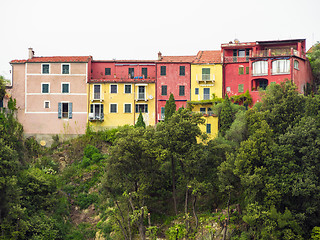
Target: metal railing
x=235, y=59
x=274, y=52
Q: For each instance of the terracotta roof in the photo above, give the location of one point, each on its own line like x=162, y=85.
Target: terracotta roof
x=122, y=80
x=67, y=59
x=213, y=56
x=126, y=61
x=177, y=59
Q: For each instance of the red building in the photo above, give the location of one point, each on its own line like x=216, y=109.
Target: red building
x=253, y=66
x=173, y=76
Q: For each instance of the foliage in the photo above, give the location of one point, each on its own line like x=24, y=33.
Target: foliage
x=244, y=98
x=314, y=58
x=2, y=87
x=140, y=122
x=169, y=108
x=225, y=116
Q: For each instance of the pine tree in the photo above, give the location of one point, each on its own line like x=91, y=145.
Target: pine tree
x=140, y=122
x=170, y=108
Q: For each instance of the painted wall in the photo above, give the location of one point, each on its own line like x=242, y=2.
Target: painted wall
x=172, y=80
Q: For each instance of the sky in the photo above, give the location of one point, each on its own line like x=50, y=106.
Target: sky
x=139, y=29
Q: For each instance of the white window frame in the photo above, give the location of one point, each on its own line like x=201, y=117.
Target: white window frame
x=93, y=97
x=48, y=87
x=110, y=107
x=62, y=87
x=296, y=64
x=44, y=104
x=62, y=68
x=100, y=114
x=277, y=64
x=124, y=107
x=62, y=102
x=42, y=68
x=110, y=88
x=124, y=89
x=262, y=66
x=145, y=92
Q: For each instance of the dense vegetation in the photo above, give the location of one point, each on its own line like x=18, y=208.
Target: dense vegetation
x=259, y=179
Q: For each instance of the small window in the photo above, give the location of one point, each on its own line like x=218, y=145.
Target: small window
x=210, y=111
x=142, y=107
x=164, y=90
x=113, y=108
x=181, y=91
x=296, y=64
x=208, y=128
x=127, y=88
x=241, y=70
x=65, y=68
x=240, y=88
x=45, y=87
x=46, y=104
x=163, y=70
x=203, y=110
x=206, y=93
x=196, y=92
x=145, y=72
x=127, y=108
x=113, y=88
x=162, y=113
x=182, y=71
x=247, y=70
x=241, y=53
x=131, y=73
x=65, y=87
x=205, y=73
x=107, y=71
x=45, y=68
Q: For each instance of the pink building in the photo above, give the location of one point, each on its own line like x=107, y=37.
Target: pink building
x=253, y=66
x=173, y=76
x=51, y=94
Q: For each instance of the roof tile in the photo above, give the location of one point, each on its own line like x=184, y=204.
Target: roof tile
x=58, y=59
x=213, y=56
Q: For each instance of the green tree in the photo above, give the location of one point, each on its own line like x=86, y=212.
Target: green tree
x=170, y=108
x=140, y=122
x=225, y=116
x=2, y=87
x=314, y=58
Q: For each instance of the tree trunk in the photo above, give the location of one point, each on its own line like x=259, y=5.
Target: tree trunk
x=123, y=229
x=141, y=226
x=186, y=209
x=174, y=186
x=194, y=210
x=227, y=221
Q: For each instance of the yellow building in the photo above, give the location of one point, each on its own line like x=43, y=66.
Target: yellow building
x=118, y=98
x=206, y=82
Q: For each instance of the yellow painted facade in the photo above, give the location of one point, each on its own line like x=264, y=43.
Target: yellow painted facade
x=206, y=80
x=119, y=104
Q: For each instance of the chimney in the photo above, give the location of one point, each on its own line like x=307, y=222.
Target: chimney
x=31, y=53
x=159, y=56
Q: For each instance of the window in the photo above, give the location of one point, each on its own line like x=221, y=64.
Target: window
x=131, y=73
x=127, y=108
x=281, y=66
x=163, y=70
x=228, y=89
x=142, y=107
x=96, y=112
x=45, y=68
x=113, y=88
x=203, y=110
x=241, y=53
x=181, y=90
x=107, y=71
x=208, y=128
x=141, y=93
x=205, y=73
x=162, y=113
x=260, y=68
x=164, y=90
x=127, y=88
x=113, y=108
x=182, y=71
x=45, y=87
x=241, y=70
x=260, y=84
x=145, y=72
x=196, y=91
x=46, y=104
x=65, y=68
x=65, y=87
x=240, y=88
x=247, y=70
x=65, y=110
x=296, y=64
x=206, y=93
x=96, y=91
x=210, y=111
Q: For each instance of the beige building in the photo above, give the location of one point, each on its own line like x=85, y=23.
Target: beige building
x=51, y=94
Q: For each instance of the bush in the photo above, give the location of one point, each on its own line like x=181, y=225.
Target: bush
x=84, y=200
x=90, y=150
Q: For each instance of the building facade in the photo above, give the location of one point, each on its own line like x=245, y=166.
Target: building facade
x=51, y=94
x=119, y=90
x=253, y=66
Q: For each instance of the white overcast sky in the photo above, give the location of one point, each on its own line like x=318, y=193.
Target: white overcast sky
x=138, y=29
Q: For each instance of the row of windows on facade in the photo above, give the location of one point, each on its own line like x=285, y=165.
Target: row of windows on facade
x=98, y=109
x=114, y=89
x=45, y=87
x=164, y=90
x=65, y=68
x=144, y=71
x=278, y=67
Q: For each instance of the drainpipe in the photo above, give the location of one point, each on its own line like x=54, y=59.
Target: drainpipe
x=134, y=103
x=156, y=95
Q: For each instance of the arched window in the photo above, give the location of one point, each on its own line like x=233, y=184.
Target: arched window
x=281, y=66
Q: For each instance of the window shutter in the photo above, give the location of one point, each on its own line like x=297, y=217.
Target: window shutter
x=59, y=110
x=247, y=70
x=70, y=110
x=240, y=88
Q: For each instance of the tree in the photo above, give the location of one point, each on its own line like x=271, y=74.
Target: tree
x=170, y=108
x=225, y=117
x=140, y=122
x=2, y=87
x=314, y=58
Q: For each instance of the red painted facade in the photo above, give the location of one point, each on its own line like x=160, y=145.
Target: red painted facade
x=254, y=65
x=176, y=80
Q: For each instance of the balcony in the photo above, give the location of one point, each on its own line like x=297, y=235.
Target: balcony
x=273, y=52
x=96, y=117
x=205, y=78
x=161, y=117
x=235, y=59
x=206, y=114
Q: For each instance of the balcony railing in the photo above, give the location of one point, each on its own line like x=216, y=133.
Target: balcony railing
x=236, y=59
x=206, y=78
x=96, y=117
x=205, y=114
x=276, y=52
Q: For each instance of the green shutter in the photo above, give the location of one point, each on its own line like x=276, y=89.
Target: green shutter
x=70, y=110
x=240, y=88
x=59, y=110
x=240, y=70
x=247, y=70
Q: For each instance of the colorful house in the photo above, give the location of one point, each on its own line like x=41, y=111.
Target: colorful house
x=206, y=83
x=119, y=90
x=252, y=66
x=51, y=94
x=173, y=76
